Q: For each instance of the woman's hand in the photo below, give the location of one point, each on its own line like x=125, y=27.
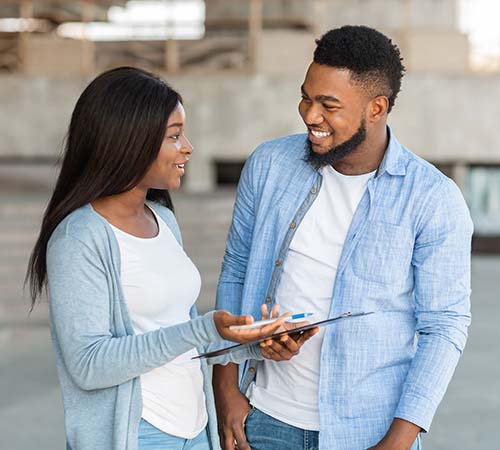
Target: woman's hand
x=285, y=347
x=224, y=320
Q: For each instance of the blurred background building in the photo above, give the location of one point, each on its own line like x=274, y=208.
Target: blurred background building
x=239, y=65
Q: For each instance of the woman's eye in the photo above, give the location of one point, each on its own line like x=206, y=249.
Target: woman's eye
x=175, y=137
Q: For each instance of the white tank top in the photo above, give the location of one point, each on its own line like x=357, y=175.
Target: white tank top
x=160, y=284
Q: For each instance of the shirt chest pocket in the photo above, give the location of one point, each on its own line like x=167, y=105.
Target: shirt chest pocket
x=383, y=253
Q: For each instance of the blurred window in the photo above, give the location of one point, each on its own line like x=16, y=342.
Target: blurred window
x=446, y=168
x=228, y=172
x=482, y=191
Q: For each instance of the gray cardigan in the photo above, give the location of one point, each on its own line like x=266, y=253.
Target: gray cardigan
x=99, y=358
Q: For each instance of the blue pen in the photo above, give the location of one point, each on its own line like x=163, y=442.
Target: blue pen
x=261, y=323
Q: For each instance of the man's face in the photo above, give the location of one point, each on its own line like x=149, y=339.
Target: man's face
x=333, y=110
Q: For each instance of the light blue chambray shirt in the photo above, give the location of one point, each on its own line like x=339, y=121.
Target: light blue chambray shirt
x=406, y=256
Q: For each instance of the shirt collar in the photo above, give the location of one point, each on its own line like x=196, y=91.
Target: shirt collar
x=394, y=162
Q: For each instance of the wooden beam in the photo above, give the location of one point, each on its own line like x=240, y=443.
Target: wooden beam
x=320, y=12
x=407, y=15
x=102, y=2
x=254, y=33
x=25, y=12
x=241, y=24
x=406, y=27
x=172, y=59
x=88, y=47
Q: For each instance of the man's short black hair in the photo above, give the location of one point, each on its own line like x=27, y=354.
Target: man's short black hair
x=371, y=57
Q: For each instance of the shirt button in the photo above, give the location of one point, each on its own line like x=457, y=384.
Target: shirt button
x=268, y=299
x=313, y=191
x=292, y=225
x=251, y=370
x=278, y=263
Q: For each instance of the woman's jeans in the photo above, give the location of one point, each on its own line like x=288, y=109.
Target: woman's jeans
x=151, y=438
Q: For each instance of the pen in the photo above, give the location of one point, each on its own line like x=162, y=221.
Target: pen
x=261, y=323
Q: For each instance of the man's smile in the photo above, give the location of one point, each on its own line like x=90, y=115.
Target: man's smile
x=320, y=134
x=318, y=137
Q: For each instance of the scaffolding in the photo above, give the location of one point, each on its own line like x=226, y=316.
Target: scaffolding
x=232, y=37
x=35, y=24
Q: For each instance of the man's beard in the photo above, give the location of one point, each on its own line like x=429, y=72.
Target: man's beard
x=319, y=160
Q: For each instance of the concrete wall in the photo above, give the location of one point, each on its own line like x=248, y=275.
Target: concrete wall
x=52, y=55
x=393, y=14
x=435, y=51
x=424, y=50
x=238, y=10
x=274, y=58
x=425, y=30
x=450, y=118
x=442, y=117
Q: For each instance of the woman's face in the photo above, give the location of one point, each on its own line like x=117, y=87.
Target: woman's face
x=175, y=150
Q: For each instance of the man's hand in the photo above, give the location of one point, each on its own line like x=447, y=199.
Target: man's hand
x=287, y=346
x=401, y=436
x=232, y=408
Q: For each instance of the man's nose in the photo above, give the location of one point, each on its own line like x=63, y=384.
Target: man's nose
x=312, y=115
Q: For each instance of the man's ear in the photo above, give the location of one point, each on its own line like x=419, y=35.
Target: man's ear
x=377, y=108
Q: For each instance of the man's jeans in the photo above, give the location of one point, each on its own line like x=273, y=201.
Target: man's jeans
x=266, y=433
x=151, y=438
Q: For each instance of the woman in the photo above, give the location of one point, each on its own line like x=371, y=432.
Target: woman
x=121, y=288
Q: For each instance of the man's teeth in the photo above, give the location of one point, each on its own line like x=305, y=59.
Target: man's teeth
x=180, y=166
x=320, y=134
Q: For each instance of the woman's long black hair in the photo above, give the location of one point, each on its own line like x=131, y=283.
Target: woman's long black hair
x=114, y=136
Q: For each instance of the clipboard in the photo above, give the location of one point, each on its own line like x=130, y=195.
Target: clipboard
x=298, y=330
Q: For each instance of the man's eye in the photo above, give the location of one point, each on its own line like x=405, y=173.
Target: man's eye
x=329, y=107
x=304, y=98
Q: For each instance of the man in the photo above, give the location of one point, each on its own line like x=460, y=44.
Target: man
x=346, y=219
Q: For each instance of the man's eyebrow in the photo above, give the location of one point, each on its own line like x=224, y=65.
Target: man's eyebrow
x=321, y=98
x=327, y=98
x=179, y=125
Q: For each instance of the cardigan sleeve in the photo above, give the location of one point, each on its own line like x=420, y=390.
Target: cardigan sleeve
x=238, y=356
x=80, y=305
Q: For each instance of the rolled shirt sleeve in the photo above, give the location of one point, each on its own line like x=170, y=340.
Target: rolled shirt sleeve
x=441, y=262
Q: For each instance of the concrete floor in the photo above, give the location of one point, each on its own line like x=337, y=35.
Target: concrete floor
x=30, y=403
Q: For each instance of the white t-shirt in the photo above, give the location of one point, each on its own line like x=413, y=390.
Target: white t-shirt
x=288, y=390
x=160, y=284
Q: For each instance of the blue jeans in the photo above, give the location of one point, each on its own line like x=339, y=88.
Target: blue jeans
x=151, y=438
x=267, y=433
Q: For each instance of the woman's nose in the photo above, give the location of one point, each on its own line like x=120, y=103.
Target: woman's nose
x=187, y=147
